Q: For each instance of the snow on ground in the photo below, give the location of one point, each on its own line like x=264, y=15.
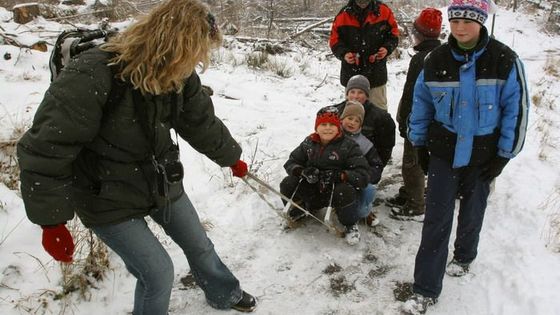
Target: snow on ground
x=308, y=270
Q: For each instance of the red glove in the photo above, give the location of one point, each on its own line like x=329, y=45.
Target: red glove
x=58, y=242
x=239, y=169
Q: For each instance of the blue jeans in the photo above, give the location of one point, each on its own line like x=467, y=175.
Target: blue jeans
x=149, y=262
x=367, y=196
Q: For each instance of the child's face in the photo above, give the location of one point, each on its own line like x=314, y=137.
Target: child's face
x=465, y=31
x=356, y=95
x=327, y=132
x=351, y=123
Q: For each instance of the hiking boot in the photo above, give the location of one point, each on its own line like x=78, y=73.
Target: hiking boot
x=406, y=211
x=398, y=201
x=295, y=214
x=417, y=304
x=371, y=219
x=457, y=269
x=352, y=234
x=247, y=304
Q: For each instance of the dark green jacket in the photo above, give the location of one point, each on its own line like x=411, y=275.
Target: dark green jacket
x=80, y=156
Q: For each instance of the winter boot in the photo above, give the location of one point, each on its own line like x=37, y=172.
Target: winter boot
x=352, y=234
x=457, y=269
x=417, y=304
x=371, y=219
x=247, y=304
x=296, y=214
x=397, y=201
x=407, y=213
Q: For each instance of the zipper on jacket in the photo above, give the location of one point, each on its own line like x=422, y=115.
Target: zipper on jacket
x=452, y=106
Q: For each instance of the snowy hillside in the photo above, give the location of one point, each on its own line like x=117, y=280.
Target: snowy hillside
x=307, y=270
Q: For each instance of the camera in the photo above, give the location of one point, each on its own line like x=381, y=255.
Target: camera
x=169, y=171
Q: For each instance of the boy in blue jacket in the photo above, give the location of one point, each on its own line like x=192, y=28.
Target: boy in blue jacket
x=469, y=118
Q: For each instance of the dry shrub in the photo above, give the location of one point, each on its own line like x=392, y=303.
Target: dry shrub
x=551, y=67
x=91, y=262
x=9, y=168
x=280, y=66
x=552, y=231
x=256, y=60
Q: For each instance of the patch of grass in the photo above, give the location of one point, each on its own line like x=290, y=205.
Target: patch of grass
x=332, y=268
x=403, y=291
x=9, y=168
x=257, y=60
x=280, y=67
x=339, y=285
x=551, y=66
x=91, y=262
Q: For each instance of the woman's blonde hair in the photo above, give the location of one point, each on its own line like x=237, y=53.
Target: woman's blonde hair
x=161, y=49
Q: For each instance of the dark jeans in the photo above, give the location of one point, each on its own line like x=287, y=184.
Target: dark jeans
x=444, y=183
x=149, y=262
x=346, y=199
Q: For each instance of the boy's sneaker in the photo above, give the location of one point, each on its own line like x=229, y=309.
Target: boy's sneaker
x=371, y=219
x=247, y=304
x=352, y=234
x=457, y=269
x=397, y=201
x=417, y=304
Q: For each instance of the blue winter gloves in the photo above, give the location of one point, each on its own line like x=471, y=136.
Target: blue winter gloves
x=493, y=168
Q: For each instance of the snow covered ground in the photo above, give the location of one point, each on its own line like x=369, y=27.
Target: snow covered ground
x=307, y=270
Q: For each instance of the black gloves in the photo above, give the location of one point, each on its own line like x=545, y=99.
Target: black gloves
x=311, y=174
x=493, y=168
x=423, y=158
x=403, y=131
x=328, y=178
x=325, y=178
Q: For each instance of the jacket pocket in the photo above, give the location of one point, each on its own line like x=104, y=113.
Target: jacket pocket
x=443, y=103
x=488, y=113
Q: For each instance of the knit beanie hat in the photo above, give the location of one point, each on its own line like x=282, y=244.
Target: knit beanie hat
x=358, y=82
x=353, y=108
x=475, y=10
x=428, y=23
x=328, y=114
x=362, y=2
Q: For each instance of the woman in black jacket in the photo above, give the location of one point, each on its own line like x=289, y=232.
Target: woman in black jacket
x=112, y=159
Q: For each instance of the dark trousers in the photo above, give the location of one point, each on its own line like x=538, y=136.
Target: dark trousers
x=444, y=185
x=413, y=179
x=345, y=197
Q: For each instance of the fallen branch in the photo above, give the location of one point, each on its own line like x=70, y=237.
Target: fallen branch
x=310, y=27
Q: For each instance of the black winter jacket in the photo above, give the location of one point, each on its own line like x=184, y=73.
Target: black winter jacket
x=414, y=68
x=80, y=156
x=364, y=31
x=341, y=154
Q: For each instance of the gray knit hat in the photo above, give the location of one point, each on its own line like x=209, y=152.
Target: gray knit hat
x=358, y=82
x=353, y=108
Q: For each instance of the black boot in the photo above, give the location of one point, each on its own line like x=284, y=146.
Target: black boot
x=247, y=304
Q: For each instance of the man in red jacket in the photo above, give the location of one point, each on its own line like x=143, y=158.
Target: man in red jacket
x=363, y=34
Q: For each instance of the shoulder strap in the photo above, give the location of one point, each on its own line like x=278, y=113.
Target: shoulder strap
x=118, y=88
